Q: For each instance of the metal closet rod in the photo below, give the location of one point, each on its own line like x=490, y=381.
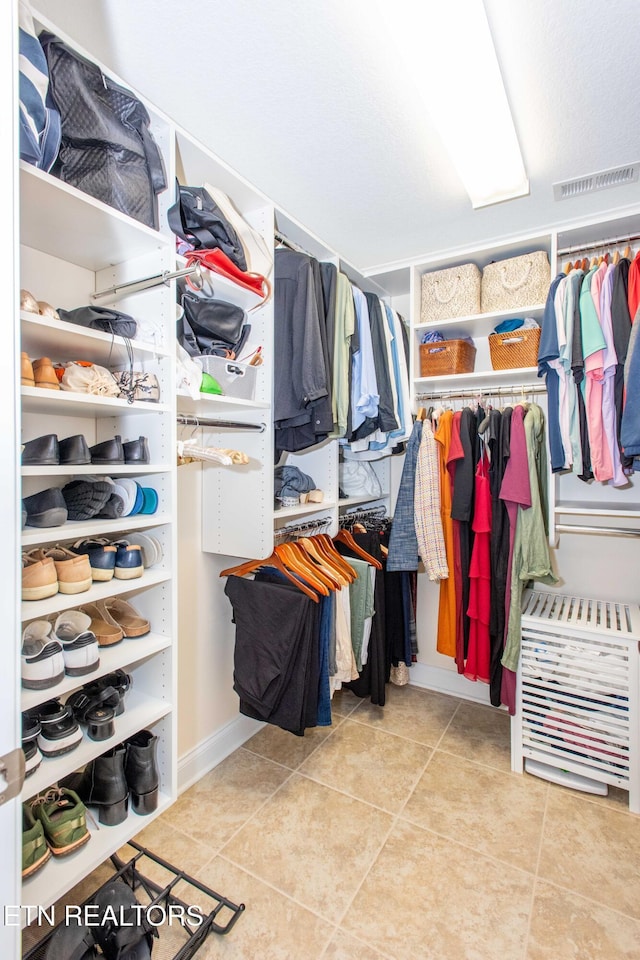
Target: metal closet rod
x=193, y=421
x=603, y=531
x=145, y=283
x=523, y=388
x=280, y=237
x=305, y=528
x=612, y=241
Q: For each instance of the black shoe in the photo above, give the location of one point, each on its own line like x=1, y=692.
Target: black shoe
x=97, y=709
x=59, y=732
x=141, y=771
x=109, y=451
x=113, y=508
x=102, y=784
x=30, y=732
x=130, y=937
x=119, y=681
x=46, y=509
x=73, y=940
x=136, y=451
x=43, y=451
x=74, y=450
x=85, y=499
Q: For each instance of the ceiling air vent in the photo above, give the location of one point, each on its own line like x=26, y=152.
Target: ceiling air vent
x=616, y=177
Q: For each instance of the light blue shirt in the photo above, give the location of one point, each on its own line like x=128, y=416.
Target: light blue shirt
x=364, y=386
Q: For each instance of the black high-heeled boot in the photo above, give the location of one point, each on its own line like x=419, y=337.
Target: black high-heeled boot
x=141, y=771
x=103, y=784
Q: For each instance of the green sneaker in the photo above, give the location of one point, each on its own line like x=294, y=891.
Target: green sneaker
x=63, y=817
x=35, y=851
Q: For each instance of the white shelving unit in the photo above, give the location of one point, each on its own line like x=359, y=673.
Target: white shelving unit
x=71, y=246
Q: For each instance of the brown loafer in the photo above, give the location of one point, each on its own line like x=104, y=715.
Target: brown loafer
x=27, y=378
x=44, y=374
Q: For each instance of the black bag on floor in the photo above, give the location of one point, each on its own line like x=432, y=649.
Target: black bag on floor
x=196, y=218
x=107, y=149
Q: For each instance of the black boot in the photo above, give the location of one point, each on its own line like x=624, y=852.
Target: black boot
x=141, y=771
x=102, y=784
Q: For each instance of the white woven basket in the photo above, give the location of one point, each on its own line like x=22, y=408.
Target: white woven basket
x=450, y=293
x=517, y=282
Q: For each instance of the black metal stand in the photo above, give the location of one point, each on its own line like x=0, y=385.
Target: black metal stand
x=196, y=923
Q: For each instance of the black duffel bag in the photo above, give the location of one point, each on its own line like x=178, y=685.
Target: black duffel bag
x=212, y=327
x=105, y=319
x=107, y=148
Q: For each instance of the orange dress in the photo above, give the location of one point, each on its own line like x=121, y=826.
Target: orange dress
x=447, y=608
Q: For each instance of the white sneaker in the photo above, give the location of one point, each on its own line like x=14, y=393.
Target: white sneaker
x=79, y=644
x=42, y=657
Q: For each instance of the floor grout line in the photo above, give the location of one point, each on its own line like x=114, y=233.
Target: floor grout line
x=535, y=878
x=582, y=896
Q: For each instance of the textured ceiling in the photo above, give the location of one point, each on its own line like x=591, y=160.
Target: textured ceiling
x=309, y=102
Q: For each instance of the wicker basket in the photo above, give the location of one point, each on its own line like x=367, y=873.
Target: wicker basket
x=517, y=282
x=450, y=293
x=446, y=356
x=518, y=348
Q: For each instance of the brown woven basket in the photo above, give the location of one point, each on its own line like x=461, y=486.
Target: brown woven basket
x=518, y=348
x=446, y=356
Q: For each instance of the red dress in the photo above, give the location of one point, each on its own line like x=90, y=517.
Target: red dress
x=478, y=662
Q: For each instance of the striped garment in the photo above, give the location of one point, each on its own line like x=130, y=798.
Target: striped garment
x=426, y=503
x=39, y=122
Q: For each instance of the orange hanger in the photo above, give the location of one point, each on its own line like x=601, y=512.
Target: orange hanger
x=273, y=560
x=594, y=263
x=585, y=264
x=320, y=562
x=297, y=561
x=421, y=414
x=616, y=257
x=568, y=267
x=343, y=536
x=627, y=252
x=337, y=559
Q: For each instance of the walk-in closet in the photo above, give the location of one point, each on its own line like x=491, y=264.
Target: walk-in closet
x=321, y=497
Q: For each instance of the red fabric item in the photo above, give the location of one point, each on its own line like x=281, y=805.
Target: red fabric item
x=478, y=665
x=633, y=293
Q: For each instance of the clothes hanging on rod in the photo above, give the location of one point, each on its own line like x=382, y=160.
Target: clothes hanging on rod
x=341, y=362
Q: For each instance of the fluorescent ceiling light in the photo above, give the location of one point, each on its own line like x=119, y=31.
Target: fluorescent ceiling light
x=447, y=46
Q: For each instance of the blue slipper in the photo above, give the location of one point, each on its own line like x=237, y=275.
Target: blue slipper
x=139, y=501
x=150, y=500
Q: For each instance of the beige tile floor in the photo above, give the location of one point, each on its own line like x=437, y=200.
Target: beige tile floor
x=401, y=833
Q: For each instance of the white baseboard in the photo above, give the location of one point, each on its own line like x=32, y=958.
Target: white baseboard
x=447, y=681
x=210, y=752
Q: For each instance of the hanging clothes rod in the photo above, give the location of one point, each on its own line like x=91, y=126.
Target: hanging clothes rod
x=611, y=242
x=602, y=531
x=280, y=237
x=186, y=419
x=504, y=391
x=119, y=290
x=362, y=513
x=305, y=529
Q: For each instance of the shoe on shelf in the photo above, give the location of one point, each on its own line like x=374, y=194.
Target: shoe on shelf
x=128, y=489
x=113, y=508
x=138, y=502
x=46, y=509
x=141, y=771
x=96, y=708
x=39, y=577
x=129, y=563
x=28, y=302
x=150, y=546
x=102, y=557
x=79, y=644
x=109, y=451
x=59, y=731
x=74, y=450
x=64, y=819
x=45, y=374
x=149, y=500
x=46, y=310
x=35, y=851
x=42, y=660
x=27, y=378
x=85, y=499
x=136, y=451
x=118, y=681
x=124, y=615
x=102, y=784
x=106, y=633
x=43, y=451
x=30, y=732
x=72, y=569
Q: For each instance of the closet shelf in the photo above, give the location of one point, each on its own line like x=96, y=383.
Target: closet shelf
x=74, y=529
x=95, y=469
x=64, y=404
x=126, y=653
x=207, y=406
x=227, y=290
x=39, y=609
x=64, y=222
x=140, y=712
x=479, y=324
x=303, y=508
x=60, y=874
x=479, y=378
x=44, y=336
